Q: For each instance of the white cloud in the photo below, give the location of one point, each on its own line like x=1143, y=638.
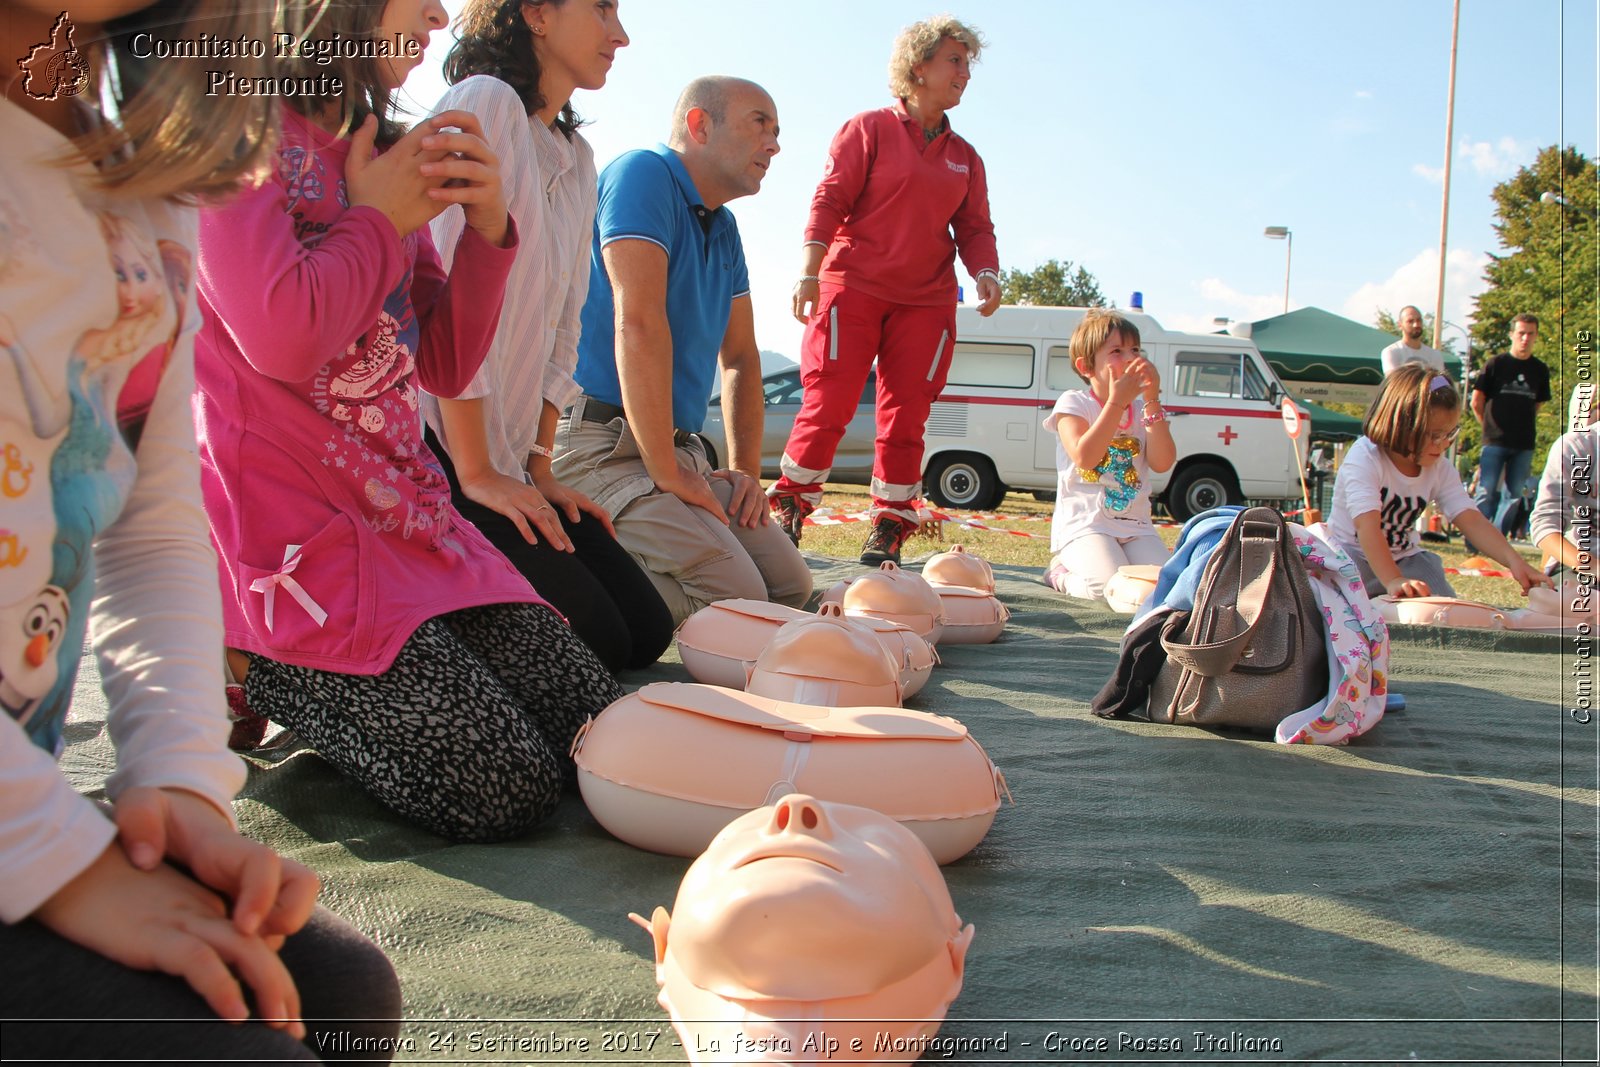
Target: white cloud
x=1497, y=160
x=1416, y=282
x=1363, y=94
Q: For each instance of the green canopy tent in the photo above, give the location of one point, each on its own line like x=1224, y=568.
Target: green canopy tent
x=1330, y=425
x=1325, y=357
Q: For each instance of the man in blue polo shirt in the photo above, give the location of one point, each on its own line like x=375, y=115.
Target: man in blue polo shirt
x=669, y=297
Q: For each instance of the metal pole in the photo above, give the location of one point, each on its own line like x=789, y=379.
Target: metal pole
x=1449, y=138
x=1288, y=260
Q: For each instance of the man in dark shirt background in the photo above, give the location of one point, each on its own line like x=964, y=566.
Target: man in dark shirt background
x=1506, y=398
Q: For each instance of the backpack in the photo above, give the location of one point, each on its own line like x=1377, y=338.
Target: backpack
x=1252, y=649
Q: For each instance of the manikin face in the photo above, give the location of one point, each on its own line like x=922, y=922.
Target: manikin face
x=1411, y=325
x=807, y=900
x=411, y=20
x=944, y=75
x=576, y=41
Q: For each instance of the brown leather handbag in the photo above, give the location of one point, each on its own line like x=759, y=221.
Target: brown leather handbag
x=1251, y=651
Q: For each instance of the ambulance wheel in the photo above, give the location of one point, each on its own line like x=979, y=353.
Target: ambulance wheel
x=962, y=480
x=1201, y=487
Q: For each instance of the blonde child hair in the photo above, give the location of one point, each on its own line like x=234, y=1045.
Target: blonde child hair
x=1093, y=331
x=1398, y=417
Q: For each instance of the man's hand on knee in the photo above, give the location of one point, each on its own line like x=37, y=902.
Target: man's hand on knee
x=689, y=486
x=748, y=504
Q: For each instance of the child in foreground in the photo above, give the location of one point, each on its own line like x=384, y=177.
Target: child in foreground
x=147, y=927
x=1392, y=473
x=1111, y=436
x=360, y=610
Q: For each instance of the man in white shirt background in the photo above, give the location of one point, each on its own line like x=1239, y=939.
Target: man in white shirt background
x=1410, y=349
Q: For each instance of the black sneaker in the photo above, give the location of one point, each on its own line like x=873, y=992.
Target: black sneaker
x=790, y=512
x=883, y=544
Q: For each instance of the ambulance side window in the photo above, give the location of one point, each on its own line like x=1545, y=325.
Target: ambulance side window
x=1219, y=376
x=1060, y=375
x=993, y=366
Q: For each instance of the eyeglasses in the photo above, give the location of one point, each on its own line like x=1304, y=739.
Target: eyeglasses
x=1442, y=438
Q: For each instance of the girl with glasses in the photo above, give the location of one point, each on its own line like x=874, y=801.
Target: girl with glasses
x=1392, y=473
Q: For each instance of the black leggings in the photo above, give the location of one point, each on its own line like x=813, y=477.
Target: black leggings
x=601, y=590
x=91, y=1009
x=467, y=732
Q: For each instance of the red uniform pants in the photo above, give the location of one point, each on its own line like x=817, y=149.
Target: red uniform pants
x=912, y=344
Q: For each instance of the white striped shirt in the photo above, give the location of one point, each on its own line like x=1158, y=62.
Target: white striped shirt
x=549, y=185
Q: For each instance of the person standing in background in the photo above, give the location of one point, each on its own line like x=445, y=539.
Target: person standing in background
x=901, y=193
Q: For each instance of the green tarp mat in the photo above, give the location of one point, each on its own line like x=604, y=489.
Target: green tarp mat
x=1426, y=893
x=1312, y=345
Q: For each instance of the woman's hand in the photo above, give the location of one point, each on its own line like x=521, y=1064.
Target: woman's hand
x=468, y=172
x=988, y=294
x=163, y=920
x=806, y=295
x=518, y=501
x=571, y=503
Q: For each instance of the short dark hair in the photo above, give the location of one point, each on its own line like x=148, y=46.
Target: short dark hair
x=1531, y=320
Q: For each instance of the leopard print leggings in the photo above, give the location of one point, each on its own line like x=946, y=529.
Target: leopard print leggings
x=467, y=731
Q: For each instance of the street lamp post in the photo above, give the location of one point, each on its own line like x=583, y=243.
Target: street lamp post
x=1548, y=197
x=1466, y=360
x=1281, y=233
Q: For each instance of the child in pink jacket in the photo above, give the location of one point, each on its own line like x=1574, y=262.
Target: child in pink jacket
x=362, y=612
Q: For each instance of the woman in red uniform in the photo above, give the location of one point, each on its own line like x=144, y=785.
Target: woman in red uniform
x=900, y=194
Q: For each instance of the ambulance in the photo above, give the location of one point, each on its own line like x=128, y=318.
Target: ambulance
x=985, y=435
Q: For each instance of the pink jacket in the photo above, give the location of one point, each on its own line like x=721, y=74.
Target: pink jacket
x=332, y=522
x=888, y=203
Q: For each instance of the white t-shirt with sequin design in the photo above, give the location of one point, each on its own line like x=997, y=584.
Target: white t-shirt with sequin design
x=1112, y=498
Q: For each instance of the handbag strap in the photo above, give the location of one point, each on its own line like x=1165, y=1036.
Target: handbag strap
x=1259, y=558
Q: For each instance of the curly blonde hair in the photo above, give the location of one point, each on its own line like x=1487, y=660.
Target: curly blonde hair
x=919, y=41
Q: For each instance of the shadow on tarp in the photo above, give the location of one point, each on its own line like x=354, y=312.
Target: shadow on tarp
x=1145, y=873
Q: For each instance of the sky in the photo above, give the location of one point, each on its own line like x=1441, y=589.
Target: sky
x=1152, y=141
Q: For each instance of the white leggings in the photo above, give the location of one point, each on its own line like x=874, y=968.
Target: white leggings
x=1085, y=564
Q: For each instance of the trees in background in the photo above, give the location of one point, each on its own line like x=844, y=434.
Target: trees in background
x=1054, y=283
x=1549, y=268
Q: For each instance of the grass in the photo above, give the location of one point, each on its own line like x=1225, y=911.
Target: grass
x=1026, y=515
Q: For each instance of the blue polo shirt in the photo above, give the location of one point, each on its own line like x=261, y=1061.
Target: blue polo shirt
x=648, y=195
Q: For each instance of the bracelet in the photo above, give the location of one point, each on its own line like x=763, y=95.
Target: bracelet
x=807, y=278
x=539, y=450
x=1150, y=418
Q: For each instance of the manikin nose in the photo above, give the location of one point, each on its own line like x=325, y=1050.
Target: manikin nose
x=800, y=815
